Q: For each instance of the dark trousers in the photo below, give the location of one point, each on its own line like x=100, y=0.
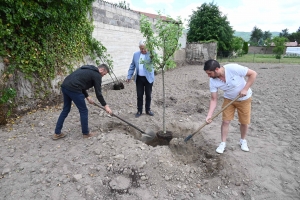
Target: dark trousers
x=143, y=86
x=79, y=100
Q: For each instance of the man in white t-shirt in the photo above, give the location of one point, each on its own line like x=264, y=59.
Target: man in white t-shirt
x=231, y=79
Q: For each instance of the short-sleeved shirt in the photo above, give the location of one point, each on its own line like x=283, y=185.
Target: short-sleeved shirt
x=235, y=82
x=141, y=65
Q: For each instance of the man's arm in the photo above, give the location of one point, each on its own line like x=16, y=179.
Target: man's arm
x=212, y=106
x=251, y=76
x=131, y=69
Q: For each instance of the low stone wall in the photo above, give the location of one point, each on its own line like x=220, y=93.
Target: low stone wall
x=198, y=53
x=261, y=50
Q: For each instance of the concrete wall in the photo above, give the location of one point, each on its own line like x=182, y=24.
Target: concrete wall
x=119, y=31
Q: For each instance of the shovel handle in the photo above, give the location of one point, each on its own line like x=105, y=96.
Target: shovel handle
x=121, y=119
x=214, y=116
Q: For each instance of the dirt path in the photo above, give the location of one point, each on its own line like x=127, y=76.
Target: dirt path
x=117, y=165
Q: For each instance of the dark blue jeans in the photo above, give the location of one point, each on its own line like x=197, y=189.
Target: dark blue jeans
x=143, y=86
x=79, y=100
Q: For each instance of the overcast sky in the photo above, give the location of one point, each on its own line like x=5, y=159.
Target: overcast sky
x=243, y=15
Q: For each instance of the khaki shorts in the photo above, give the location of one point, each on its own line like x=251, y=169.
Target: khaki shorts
x=243, y=109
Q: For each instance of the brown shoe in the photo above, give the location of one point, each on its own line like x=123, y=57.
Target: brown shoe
x=58, y=136
x=89, y=135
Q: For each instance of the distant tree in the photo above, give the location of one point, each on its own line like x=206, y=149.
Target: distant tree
x=284, y=33
x=256, y=34
x=124, y=4
x=294, y=37
x=260, y=42
x=237, y=45
x=208, y=23
x=279, y=46
x=266, y=35
x=268, y=43
x=245, y=48
x=298, y=29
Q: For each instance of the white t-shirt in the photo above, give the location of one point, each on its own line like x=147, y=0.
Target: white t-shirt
x=141, y=66
x=235, y=82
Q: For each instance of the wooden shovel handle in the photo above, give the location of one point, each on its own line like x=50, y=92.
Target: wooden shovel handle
x=214, y=116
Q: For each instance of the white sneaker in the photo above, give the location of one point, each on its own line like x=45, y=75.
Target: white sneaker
x=244, y=145
x=221, y=147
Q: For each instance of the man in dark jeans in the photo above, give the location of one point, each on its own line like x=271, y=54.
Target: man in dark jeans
x=144, y=78
x=74, y=89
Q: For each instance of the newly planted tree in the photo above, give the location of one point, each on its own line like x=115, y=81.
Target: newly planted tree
x=162, y=36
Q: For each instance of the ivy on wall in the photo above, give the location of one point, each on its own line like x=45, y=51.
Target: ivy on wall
x=45, y=38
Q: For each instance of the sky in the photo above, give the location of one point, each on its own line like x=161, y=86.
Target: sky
x=243, y=15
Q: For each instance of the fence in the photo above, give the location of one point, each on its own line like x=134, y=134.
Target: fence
x=257, y=58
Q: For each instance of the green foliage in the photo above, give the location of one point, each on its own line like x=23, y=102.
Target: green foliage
x=237, y=43
x=124, y=5
x=46, y=38
x=245, y=48
x=256, y=35
x=279, y=46
x=7, y=95
x=268, y=43
x=164, y=36
x=284, y=33
x=294, y=37
x=207, y=23
x=6, y=100
x=267, y=35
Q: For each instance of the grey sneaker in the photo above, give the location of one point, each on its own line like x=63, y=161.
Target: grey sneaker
x=221, y=147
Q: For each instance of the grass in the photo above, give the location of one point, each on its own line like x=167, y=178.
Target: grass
x=261, y=58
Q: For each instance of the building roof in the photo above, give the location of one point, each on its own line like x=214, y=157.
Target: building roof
x=150, y=15
x=291, y=44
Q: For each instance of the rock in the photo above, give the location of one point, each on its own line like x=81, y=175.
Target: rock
x=6, y=171
x=119, y=184
x=77, y=177
x=234, y=193
x=89, y=190
x=97, y=152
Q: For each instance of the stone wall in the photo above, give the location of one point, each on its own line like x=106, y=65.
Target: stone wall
x=198, y=53
x=261, y=50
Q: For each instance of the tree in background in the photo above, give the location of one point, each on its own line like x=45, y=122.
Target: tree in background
x=268, y=43
x=208, y=23
x=124, y=4
x=256, y=35
x=245, y=48
x=267, y=35
x=237, y=45
x=162, y=36
x=294, y=37
x=279, y=46
x=284, y=33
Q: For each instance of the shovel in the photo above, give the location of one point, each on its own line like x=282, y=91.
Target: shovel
x=190, y=136
x=149, y=135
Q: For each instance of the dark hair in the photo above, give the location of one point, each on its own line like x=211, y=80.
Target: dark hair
x=211, y=65
x=105, y=66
